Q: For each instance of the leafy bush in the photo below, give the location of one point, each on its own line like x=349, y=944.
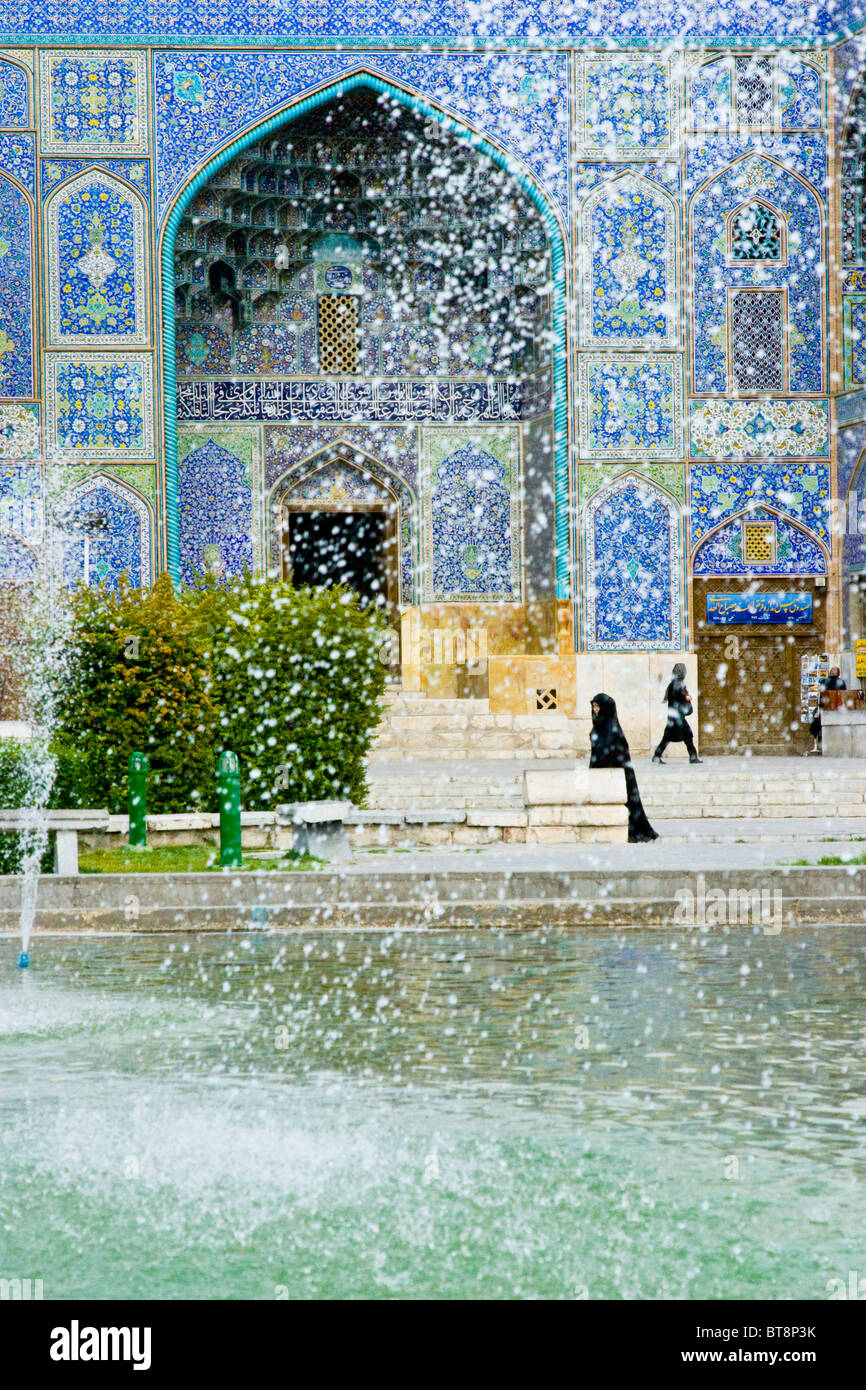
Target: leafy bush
x=137, y=680
x=297, y=679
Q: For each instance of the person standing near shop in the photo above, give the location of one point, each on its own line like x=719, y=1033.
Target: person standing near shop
x=832, y=681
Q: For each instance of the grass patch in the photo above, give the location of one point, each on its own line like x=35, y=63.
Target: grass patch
x=830, y=861
x=180, y=859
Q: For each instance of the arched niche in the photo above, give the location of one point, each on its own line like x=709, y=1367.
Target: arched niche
x=99, y=530
x=16, y=290
x=786, y=330
x=790, y=549
x=96, y=233
x=256, y=136
x=215, y=513
x=341, y=476
x=628, y=284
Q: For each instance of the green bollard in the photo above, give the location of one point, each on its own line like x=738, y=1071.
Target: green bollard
x=137, y=801
x=229, y=789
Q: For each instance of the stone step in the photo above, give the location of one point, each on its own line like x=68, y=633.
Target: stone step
x=436, y=705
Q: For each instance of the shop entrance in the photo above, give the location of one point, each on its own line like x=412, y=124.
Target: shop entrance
x=749, y=674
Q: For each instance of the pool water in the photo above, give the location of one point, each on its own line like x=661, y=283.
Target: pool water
x=542, y=1115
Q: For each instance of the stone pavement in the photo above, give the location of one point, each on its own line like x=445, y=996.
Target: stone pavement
x=694, y=855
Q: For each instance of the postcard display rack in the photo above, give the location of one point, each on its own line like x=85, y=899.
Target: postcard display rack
x=813, y=670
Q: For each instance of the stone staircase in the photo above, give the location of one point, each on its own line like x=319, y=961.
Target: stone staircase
x=416, y=726
x=449, y=771
x=429, y=786
x=746, y=788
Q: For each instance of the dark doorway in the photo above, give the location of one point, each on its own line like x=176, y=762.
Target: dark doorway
x=328, y=547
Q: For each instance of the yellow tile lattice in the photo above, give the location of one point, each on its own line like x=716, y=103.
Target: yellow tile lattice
x=338, y=334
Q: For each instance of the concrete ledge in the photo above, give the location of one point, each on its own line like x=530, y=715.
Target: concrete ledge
x=503, y=818
x=254, y=902
x=577, y=786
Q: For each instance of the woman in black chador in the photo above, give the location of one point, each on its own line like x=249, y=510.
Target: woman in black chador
x=609, y=748
x=677, y=729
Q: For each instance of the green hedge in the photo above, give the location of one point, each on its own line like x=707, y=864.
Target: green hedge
x=137, y=679
x=289, y=679
x=297, y=678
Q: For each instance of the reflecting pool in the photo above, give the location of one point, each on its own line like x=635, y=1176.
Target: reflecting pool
x=554, y=1115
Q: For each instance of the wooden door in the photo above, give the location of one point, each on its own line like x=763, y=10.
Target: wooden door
x=749, y=675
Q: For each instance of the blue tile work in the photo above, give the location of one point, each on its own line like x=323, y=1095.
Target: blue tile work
x=14, y=105
x=471, y=526
x=513, y=20
x=629, y=295
x=202, y=347
x=713, y=272
x=851, y=480
x=631, y=406
x=721, y=429
x=805, y=155
x=799, y=93
x=122, y=546
x=261, y=349
x=854, y=339
x=215, y=513
x=710, y=93
x=588, y=175
x=96, y=264
x=93, y=102
x=288, y=449
x=718, y=491
x=18, y=157
x=99, y=406
x=631, y=534
x=19, y=430
x=202, y=99
x=795, y=90
x=19, y=564
x=303, y=458
x=16, y=304
x=21, y=520
x=626, y=104
x=135, y=171
x=797, y=552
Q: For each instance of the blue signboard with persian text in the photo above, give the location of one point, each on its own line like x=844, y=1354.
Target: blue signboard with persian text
x=759, y=608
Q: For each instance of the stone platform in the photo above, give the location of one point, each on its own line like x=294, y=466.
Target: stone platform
x=483, y=796
x=423, y=726
x=616, y=886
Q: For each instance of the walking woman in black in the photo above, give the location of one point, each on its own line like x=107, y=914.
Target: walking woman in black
x=609, y=748
x=679, y=704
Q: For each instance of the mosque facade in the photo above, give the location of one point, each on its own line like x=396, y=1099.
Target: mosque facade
x=557, y=312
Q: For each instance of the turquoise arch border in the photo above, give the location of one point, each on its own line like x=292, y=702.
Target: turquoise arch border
x=558, y=260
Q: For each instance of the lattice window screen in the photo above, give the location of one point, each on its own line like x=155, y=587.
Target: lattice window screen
x=754, y=92
x=756, y=234
x=338, y=333
x=757, y=338
x=759, y=542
